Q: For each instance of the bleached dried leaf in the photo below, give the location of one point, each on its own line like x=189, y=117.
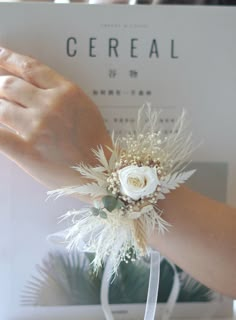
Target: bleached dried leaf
x=161, y=196
x=91, y=174
x=99, y=169
x=173, y=181
x=101, y=157
x=92, y=189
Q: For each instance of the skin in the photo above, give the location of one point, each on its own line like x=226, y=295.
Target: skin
x=52, y=125
x=202, y=239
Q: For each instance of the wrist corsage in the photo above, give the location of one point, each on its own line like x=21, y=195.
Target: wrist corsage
x=126, y=188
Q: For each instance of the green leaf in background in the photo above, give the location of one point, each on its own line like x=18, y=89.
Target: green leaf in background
x=67, y=278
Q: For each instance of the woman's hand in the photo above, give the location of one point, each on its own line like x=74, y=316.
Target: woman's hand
x=51, y=124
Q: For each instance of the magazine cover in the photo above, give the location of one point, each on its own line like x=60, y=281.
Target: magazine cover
x=174, y=58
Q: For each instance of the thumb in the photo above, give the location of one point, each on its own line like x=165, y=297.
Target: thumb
x=12, y=145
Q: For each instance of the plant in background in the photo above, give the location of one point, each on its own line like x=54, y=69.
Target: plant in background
x=67, y=279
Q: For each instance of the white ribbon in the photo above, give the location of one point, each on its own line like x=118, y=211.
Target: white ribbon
x=106, y=278
x=173, y=295
x=153, y=287
x=107, y=274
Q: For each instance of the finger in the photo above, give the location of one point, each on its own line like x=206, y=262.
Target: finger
x=19, y=91
x=3, y=72
x=13, y=116
x=29, y=69
x=12, y=145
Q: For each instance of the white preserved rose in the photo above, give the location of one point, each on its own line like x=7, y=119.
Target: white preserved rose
x=137, y=182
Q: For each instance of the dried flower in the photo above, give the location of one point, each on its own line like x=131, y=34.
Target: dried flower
x=138, y=181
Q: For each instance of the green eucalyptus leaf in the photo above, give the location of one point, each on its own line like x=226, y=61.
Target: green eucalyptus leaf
x=119, y=204
x=103, y=214
x=95, y=211
x=109, y=202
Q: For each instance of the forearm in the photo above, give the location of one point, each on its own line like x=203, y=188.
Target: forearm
x=202, y=239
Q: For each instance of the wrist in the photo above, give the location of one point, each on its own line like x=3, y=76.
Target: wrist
x=172, y=208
